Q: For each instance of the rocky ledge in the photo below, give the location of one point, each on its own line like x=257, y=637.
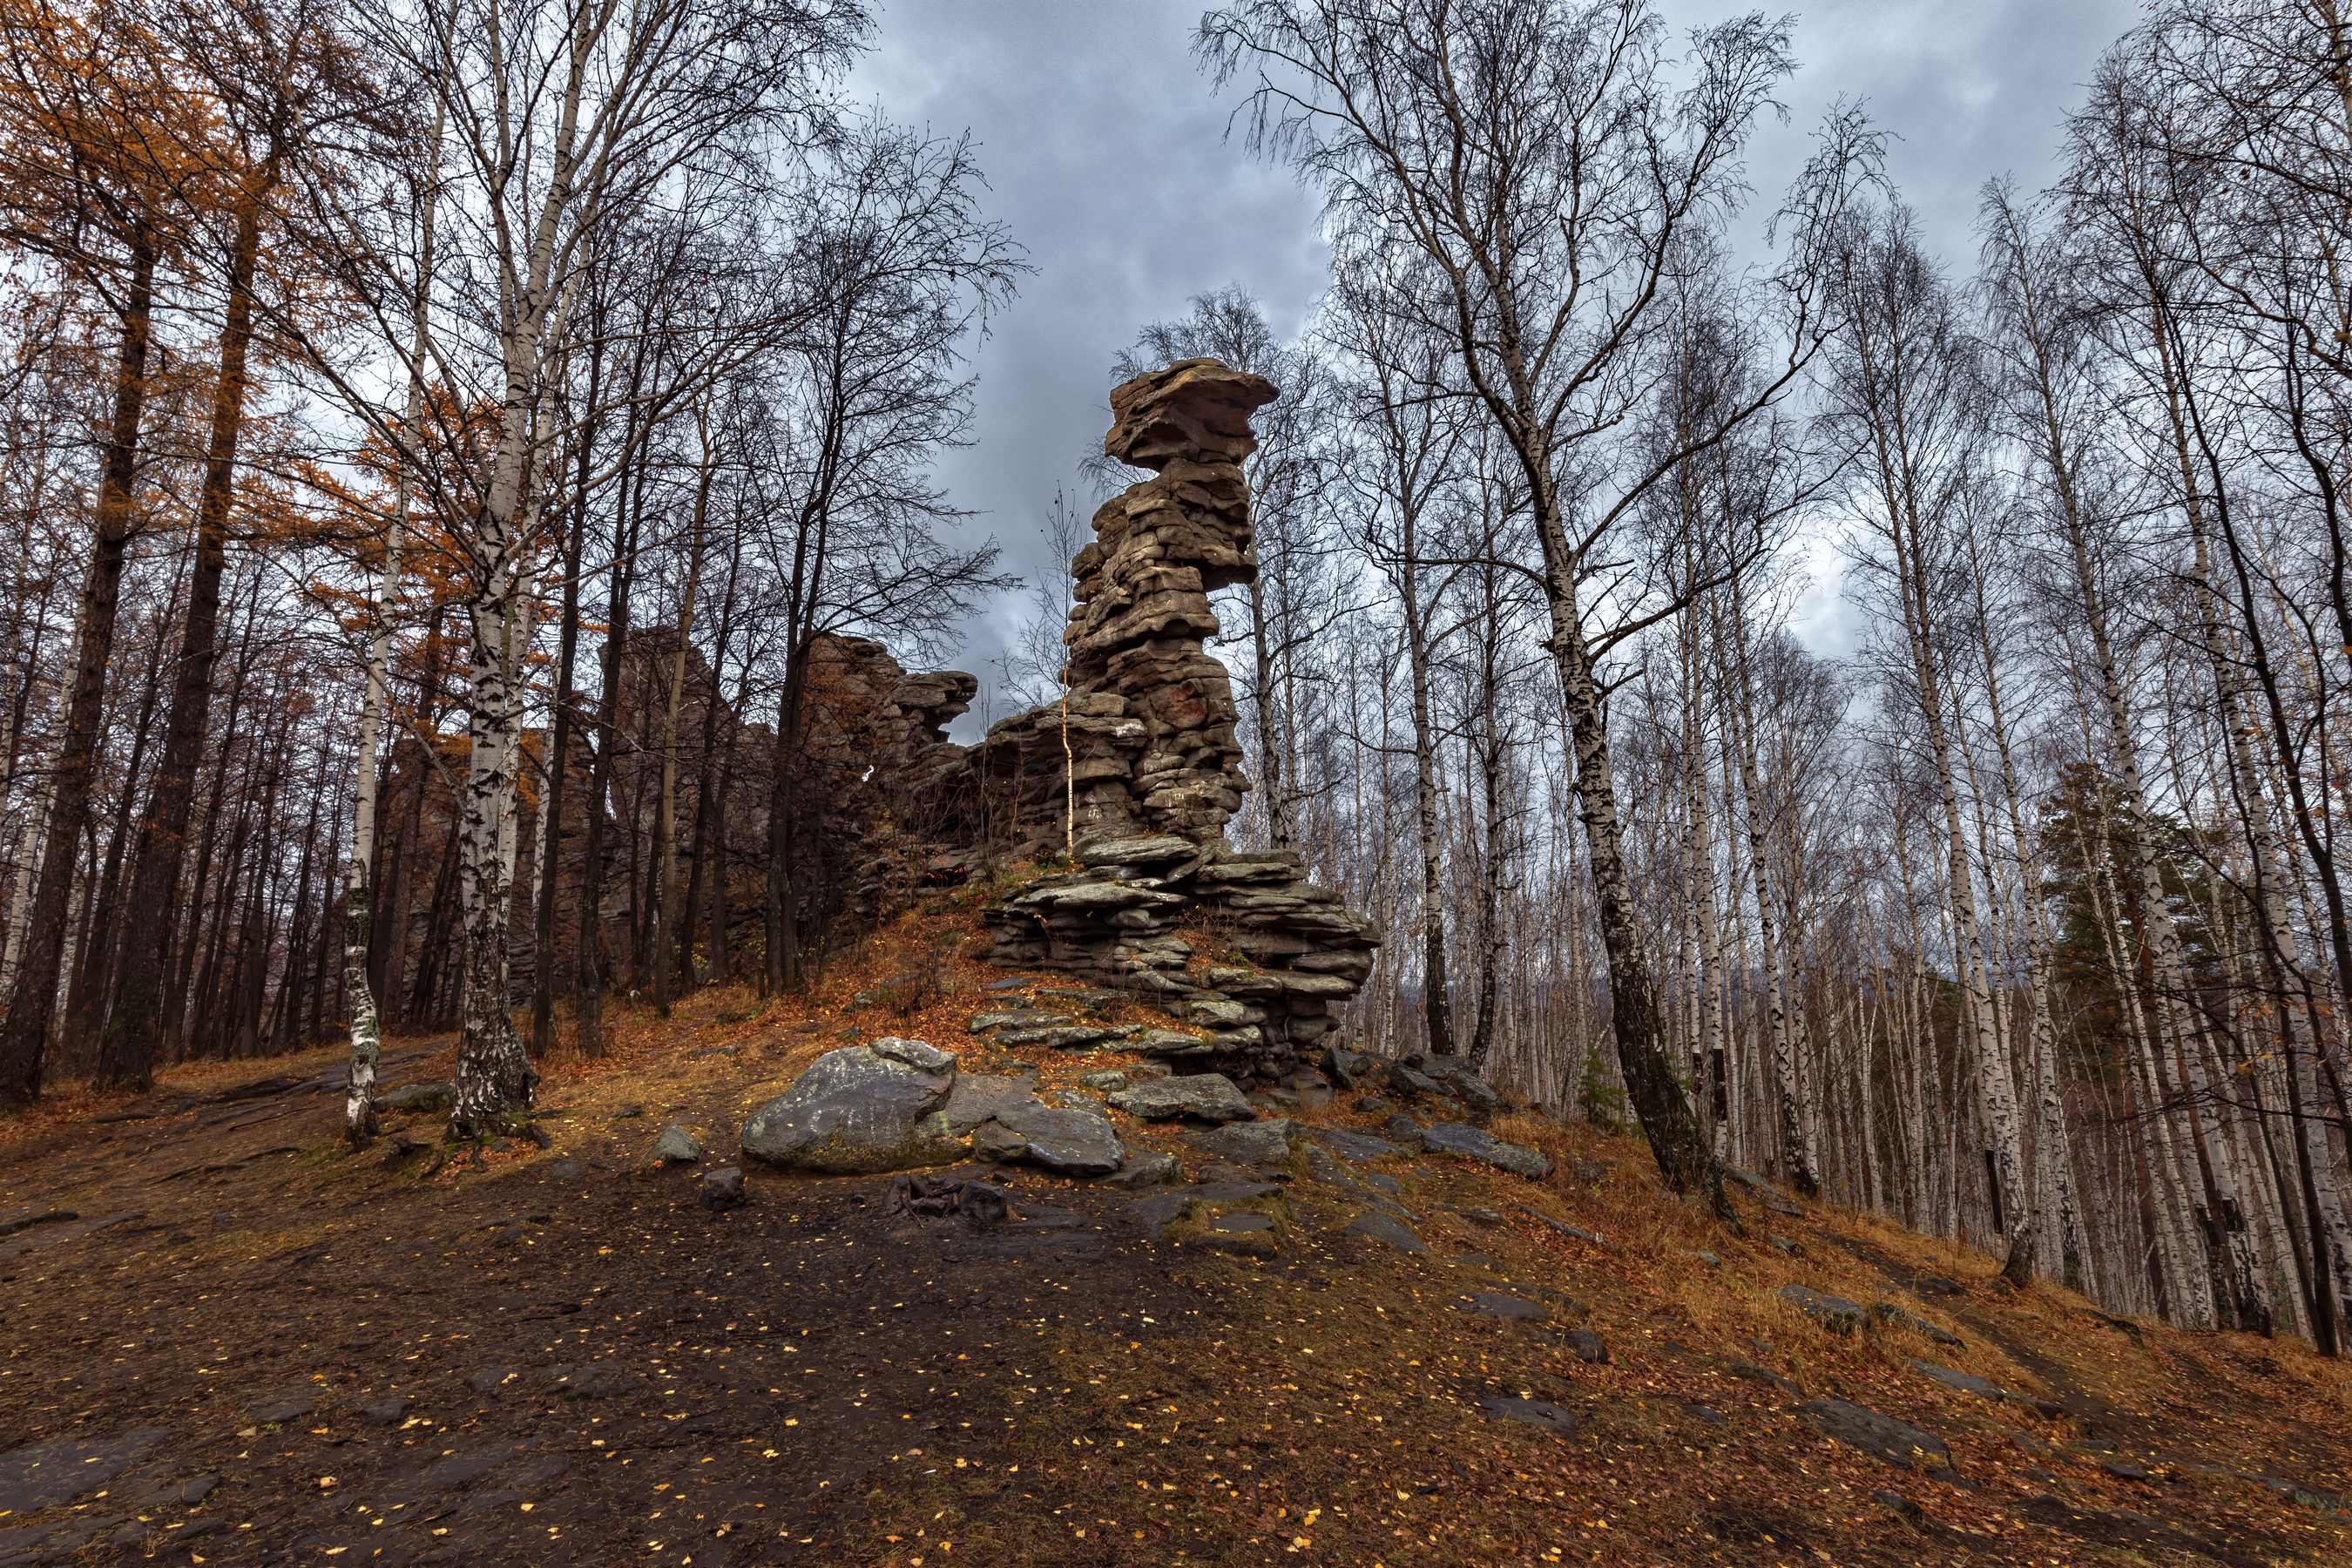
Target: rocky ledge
x=1239, y=946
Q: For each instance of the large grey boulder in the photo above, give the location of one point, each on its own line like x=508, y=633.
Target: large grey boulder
x=861, y=1107
x=1203, y=1097
x=1468, y=1142
x=1072, y=1142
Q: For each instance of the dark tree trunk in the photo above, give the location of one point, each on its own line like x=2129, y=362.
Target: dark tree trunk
x=180, y=944
x=542, y=997
x=32, y=1005
x=86, y=997
x=127, y=1053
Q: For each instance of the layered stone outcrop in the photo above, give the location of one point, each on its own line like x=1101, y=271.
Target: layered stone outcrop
x=1138, y=775
x=1150, y=724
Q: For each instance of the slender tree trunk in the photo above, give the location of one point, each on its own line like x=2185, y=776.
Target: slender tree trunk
x=127, y=1055
x=709, y=859
x=1664, y=1111
x=1739, y=733
x=667, y=915
x=588, y=980
x=542, y=1000
x=375, y=701
x=32, y=1004
x=1274, y=782
x=86, y=997
x=1435, y=995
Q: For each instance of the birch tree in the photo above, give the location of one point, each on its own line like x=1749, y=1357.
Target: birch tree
x=1907, y=383
x=1548, y=160
x=563, y=121
x=1408, y=434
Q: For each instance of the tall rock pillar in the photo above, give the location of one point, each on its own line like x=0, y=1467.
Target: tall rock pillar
x=1146, y=762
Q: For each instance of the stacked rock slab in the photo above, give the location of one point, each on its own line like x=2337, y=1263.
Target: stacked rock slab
x=1144, y=771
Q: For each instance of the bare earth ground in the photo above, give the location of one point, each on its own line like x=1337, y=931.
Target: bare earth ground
x=228, y=1341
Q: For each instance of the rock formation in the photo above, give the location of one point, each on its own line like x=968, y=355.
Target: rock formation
x=1137, y=776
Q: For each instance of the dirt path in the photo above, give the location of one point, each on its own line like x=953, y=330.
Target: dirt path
x=273, y=1356
x=230, y=1341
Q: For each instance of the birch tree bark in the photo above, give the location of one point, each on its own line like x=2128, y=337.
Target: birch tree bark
x=1905, y=380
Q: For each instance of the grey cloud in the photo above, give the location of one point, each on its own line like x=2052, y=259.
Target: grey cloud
x=1107, y=155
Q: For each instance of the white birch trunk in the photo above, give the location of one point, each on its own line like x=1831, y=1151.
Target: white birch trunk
x=376, y=701
x=1739, y=734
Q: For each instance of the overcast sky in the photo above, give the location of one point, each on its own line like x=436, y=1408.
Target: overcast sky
x=1107, y=155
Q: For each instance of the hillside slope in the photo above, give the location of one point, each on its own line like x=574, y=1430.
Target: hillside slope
x=230, y=1341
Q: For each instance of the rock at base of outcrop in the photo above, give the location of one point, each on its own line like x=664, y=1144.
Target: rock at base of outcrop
x=1882, y=1436
x=676, y=1146
x=861, y=1109
x=978, y=1096
x=1263, y=1143
x=723, y=1189
x=1202, y=1096
x=1465, y=1142
x=1118, y=919
x=1589, y=1347
x=1146, y=1168
x=1071, y=1141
